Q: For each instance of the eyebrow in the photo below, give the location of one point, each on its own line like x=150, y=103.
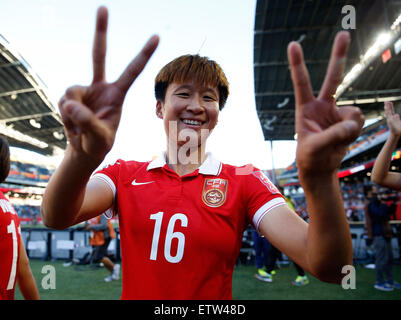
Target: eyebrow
x=188, y=86
x=211, y=91
x=183, y=86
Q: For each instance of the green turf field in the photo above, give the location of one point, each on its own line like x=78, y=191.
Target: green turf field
x=74, y=282
x=245, y=286
x=86, y=282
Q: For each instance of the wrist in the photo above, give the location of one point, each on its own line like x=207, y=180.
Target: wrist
x=315, y=182
x=394, y=135
x=81, y=160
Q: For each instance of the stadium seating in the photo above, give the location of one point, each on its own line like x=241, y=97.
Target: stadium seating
x=29, y=172
x=372, y=136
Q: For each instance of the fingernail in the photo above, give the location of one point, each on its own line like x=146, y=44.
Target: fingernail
x=350, y=125
x=68, y=108
x=77, y=130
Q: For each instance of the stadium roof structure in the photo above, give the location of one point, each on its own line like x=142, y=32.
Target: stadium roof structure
x=28, y=119
x=370, y=76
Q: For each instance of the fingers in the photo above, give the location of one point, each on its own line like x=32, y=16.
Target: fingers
x=74, y=93
x=389, y=109
x=68, y=124
x=99, y=45
x=81, y=116
x=77, y=117
x=299, y=74
x=136, y=66
x=99, y=54
x=336, y=66
x=393, y=118
x=346, y=130
x=353, y=114
x=342, y=133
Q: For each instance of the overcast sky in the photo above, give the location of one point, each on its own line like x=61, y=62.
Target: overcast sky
x=55, y=38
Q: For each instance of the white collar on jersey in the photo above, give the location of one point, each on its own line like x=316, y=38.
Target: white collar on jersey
x=211, y=166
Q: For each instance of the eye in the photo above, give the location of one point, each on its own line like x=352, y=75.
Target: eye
x=183, y=94
x=209, y=98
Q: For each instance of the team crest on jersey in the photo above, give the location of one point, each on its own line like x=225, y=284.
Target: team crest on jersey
x=265, y=180
x=214, y=192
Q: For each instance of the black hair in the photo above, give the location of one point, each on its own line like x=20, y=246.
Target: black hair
x=4, y=159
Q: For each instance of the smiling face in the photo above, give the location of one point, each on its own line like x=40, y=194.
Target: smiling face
x=190, y=111
x=190, y=90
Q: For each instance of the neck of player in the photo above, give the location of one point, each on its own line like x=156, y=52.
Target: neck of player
x=185, y=159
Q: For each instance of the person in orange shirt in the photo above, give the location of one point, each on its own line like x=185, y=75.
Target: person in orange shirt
x=102, y=232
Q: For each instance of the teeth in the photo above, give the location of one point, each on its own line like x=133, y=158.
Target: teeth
x=192, y=122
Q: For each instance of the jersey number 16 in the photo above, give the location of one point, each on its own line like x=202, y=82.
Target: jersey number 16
x=170, y=235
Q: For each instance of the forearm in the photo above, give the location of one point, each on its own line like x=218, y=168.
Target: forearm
x=27, y=285
x=329, y=245
x=26, y=281
x=380, y=172
x=65, y=191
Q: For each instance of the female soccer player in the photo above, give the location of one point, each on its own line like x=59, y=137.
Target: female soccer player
x=14, y=266
x=182, y=215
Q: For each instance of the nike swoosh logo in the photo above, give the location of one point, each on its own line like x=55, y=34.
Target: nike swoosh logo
x=134, y=183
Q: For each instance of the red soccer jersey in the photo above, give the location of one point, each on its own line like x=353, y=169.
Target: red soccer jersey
x=9, y=248
x=181, y=236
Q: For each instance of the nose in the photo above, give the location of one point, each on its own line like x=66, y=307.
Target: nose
x=195, y=105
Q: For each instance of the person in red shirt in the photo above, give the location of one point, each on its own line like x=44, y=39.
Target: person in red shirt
x=182, y=215
x=14, y=265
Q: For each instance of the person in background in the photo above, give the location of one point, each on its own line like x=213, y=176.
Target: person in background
x=301, y=279
x=382, y=176
x=261, y=247
x=379, y=233
x=14, y=262
x=102, y=232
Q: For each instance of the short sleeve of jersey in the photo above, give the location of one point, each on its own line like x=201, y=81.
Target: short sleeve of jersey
x=262, y=196
x=109, y=174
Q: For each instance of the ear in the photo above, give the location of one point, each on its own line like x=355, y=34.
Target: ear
x=159, y=109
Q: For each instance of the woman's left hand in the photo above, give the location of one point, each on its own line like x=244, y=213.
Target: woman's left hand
x=324, y=130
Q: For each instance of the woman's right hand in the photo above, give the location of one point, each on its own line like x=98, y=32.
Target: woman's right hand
x=393, y=119
x=91, y=114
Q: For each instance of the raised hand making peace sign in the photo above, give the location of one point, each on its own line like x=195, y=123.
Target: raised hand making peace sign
x=324, y=130
x=91, y=114
x=393, y=119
